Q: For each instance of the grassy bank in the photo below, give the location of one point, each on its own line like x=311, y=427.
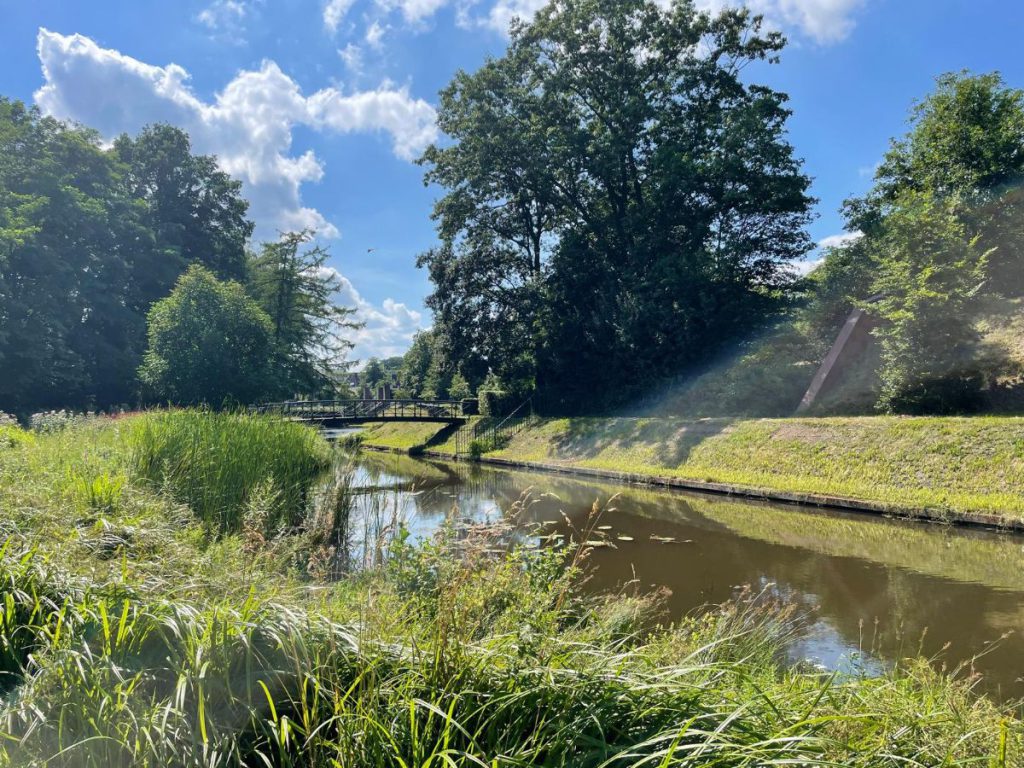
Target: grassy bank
x=952, y=464
x=134, y=633
x=944, y=464
x=402, y=436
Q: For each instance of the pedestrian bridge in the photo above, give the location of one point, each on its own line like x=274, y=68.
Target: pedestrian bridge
x=334, y=413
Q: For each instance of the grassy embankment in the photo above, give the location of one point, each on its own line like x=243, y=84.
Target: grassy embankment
x=954, y=465
x=141, y=625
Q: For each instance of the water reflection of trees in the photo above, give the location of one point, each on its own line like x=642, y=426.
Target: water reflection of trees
x=882, y=585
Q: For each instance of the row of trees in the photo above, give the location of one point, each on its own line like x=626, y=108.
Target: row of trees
x=92, y=237
x=619, y=202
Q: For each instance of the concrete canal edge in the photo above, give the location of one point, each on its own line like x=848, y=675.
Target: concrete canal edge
x=816, y=500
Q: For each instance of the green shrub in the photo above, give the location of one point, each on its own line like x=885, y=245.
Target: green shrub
x=493, y=402
x=214, y=462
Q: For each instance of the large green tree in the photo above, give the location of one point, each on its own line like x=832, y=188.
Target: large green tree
x=89, y=238
x=619, y=200
x=943, y=225
x=293, y=284
x=68, y=235
x=209, y=342
x=196, y=211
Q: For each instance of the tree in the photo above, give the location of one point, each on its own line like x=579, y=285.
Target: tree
x=943, y=225
x=931, y=272
x=459, y=388
x=195, y=210
x=966, y=141
x=67, y=234
x=208, y=343
x=296, y=289
x=416, y=363
x=619, y=201
x=90, y=237
x=373, y=374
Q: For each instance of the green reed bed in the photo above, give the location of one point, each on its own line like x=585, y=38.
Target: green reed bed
x=220, y=464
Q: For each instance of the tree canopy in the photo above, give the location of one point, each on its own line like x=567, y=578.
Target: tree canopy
x=209, y=343
x=618, y=202
x=943, y=226
x=89, y=238
x=292, y=283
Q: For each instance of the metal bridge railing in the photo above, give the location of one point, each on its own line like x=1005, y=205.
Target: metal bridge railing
x=368, y=410
x=492, y=434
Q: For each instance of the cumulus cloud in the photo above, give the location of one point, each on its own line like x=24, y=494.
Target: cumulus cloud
x=824, y=21
x=838, y=241
x=335, y=11
x=248, y=125
x=388, y=329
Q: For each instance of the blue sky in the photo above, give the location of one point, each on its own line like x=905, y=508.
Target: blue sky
x=319, y=106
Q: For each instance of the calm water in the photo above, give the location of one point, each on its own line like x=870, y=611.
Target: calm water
x=877, y=589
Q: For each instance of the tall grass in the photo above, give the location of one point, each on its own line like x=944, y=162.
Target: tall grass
x=216, y=463
x=488, y=667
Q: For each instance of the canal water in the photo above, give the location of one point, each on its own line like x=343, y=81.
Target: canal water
x=877, y=590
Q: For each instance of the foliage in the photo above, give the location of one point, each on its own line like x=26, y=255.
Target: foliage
x=942, y=226
x=195, y=210
x=295, y=288
x=215, y=462
x=416, y=364
x=930, y=274
x=619, y=201
x=12, y=436
x=459, y=389
x=89, y=238
x=208, y=343
x=373, y=374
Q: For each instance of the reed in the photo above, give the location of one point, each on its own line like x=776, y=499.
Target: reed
x=215, y=463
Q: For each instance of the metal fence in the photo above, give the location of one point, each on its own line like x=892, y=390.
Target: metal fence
x=367, y=410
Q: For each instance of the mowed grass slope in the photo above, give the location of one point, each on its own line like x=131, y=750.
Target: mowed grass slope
x=953, y=464
x=401, y=435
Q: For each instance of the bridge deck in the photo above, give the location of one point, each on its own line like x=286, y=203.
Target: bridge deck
x=361, y=411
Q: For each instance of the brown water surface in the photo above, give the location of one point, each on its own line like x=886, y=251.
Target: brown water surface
x=879, y=590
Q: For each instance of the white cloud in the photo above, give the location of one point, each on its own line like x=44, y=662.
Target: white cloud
x=388, y=329
x=335, y=11
x=838, y=241
x=222, y=13
x=375, y=35
x=248, y=125
x=352, y=56
x=504, y=11
x=824, y=21
x=414, y=11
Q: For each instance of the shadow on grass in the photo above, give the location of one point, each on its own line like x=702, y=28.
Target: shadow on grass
x=672, y=441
